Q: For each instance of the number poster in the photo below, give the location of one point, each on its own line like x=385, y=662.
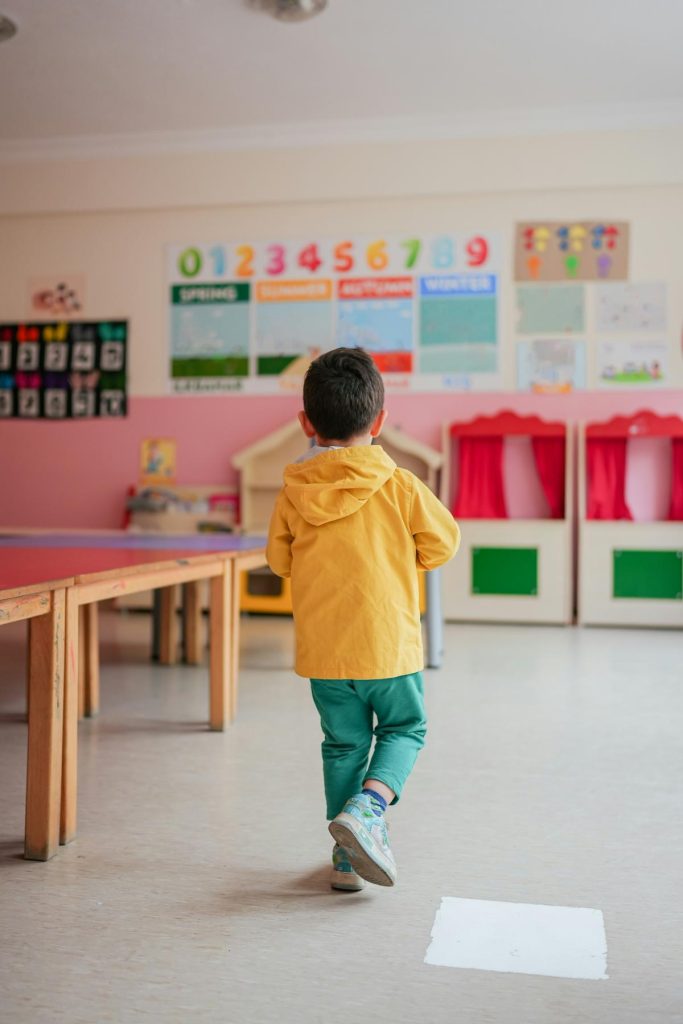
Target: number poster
x=62, y=370
x=251, y=317
x=580, y=251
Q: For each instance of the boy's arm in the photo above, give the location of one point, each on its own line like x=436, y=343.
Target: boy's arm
x=279, y=547
x=436, y=533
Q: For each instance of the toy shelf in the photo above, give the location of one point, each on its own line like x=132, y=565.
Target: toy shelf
x=508, y=570
x=630, y=573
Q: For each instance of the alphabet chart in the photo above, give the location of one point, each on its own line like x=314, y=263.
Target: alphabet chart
x=58, y=371
x=251, y=317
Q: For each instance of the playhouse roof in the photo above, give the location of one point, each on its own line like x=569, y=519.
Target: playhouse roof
x=397, y=438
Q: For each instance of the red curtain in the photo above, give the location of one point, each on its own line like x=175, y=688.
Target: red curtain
x=607, y=478
x=549, y=456
x=481, y=494
x=676, y=507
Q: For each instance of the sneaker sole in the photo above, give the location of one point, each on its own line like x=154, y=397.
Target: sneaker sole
x=343, y=886
x=344, y=829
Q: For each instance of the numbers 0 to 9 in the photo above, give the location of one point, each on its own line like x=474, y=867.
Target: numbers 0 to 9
x=439, y=253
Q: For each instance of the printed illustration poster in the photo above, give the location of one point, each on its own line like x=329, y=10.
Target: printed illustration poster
x=63, y=370
x=293, y=324
x=458, y=323
x=551, y=366
x=633, y=363
x=250, y=317
x=571, y=251
x=631, y=307
x=210, y=330
x=157, y=461
x=377, y=315
x=551, y=309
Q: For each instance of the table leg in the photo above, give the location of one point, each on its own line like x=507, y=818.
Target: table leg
x=28, y=668
x=192, y=623
x=156, y=624
x=82, y=661
x=220, y=685
x=168, y=646
x=91, y=649
x=44, y=770
x=434, y=620
x=236, y=575
x=70, y=746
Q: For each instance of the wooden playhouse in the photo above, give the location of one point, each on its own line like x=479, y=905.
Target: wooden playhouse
x=508, y=569
x=630, y=573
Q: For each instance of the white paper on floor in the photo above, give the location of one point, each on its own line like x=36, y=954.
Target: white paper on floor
x=519, y=938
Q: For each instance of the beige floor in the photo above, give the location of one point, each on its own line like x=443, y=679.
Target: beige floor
x=196, y=891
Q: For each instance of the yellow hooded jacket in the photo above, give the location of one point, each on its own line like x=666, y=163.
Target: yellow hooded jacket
x=350, y=528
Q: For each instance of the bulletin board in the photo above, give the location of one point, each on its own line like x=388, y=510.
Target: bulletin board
x=546, y=307
x=579, y=322
x=250, y=316
x=60, y=370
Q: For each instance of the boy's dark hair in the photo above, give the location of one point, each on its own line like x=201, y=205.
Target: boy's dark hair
x=343, y=393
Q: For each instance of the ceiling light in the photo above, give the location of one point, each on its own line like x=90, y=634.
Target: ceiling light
x=7, y=28
x=290, y=10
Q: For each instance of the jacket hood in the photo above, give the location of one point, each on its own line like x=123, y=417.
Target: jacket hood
x=337, y=483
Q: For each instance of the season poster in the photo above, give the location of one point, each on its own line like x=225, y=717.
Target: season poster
x=250, y=317
x=61, y=370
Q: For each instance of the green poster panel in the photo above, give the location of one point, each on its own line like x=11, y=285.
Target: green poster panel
x=505, y=571
x=656, y=575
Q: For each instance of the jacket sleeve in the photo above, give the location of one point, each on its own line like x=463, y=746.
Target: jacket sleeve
x=436, y=533
x=279, y=547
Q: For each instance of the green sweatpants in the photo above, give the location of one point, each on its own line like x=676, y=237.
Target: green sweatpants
x=346, y=709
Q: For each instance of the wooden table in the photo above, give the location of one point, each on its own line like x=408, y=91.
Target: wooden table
x=100, y=567
x=28, y=592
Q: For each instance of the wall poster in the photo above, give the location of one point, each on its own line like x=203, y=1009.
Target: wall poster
x=551, y=366
x=62, y=370
x=250, y=317
x=566, y=251
x=632, y=363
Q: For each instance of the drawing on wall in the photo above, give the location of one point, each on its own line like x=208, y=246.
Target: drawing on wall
x=631, y=307
x=551, y=366
x=566, y=251
x=251, y=317
x=632, y=363
x=63, y=370
x=551, y=308
x=56, y=297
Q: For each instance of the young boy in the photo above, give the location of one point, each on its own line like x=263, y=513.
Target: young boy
x=352, y=530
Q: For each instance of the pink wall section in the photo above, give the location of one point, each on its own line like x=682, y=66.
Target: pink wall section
x=76, y=474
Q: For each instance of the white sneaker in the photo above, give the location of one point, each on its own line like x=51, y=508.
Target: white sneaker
x=343, y=875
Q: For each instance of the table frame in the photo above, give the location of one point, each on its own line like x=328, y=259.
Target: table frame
x=44, y=606
x=87, y=591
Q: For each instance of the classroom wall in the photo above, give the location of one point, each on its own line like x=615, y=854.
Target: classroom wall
x=68, y=474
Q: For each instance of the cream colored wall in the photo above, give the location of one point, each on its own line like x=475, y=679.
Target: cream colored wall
x=116, y=181
x=136, y=205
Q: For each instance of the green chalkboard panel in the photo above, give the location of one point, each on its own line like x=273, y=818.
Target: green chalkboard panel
x=657, y=575
x=505, y=571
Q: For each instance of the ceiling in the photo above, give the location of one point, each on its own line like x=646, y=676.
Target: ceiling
x=105, y=67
